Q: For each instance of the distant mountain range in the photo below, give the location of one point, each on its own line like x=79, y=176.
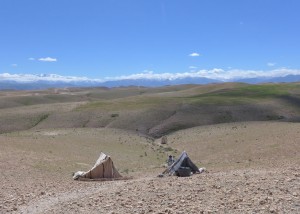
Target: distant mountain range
x=44, y=84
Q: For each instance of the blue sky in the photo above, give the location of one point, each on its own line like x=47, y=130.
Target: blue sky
x=130, y=38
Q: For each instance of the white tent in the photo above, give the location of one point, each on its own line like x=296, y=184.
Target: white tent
x=103, y=168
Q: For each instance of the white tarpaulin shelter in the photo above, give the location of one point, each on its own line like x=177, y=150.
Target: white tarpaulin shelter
x=103, y=168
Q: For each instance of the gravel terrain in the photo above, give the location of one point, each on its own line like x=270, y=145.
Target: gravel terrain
x=240, y=191
x=36, y=171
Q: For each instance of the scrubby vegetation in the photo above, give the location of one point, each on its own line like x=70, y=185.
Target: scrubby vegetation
x=150, y=111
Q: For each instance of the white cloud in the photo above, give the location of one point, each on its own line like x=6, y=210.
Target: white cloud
x=48, y=59
x=216, y=73
x=192, y=67
x=194, y=54
x=44, y=77
x=271, y=64
x=31, y=59
x=14, y=65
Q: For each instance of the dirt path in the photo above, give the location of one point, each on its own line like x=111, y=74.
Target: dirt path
x=46, y=203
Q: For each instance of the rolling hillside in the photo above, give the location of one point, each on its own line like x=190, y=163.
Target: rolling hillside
x=246, y=136
x=149, y=111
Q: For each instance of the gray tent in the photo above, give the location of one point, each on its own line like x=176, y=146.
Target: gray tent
x=182, y=161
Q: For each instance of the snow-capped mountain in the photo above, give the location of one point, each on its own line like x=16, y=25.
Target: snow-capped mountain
x=43, y=81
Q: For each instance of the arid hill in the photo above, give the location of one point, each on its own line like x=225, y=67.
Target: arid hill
x=246, y=136
x=150, y=111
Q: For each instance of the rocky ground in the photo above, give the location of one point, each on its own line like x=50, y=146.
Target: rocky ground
x=239, y=191
x=252, y=168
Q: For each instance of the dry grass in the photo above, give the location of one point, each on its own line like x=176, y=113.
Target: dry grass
x=151, y=111
x=241, y=145
x=60, y=152
x=148, y=111
x=63, y=151
x=36, y=167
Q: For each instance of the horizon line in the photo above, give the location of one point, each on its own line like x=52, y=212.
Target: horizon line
x=212, y=74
